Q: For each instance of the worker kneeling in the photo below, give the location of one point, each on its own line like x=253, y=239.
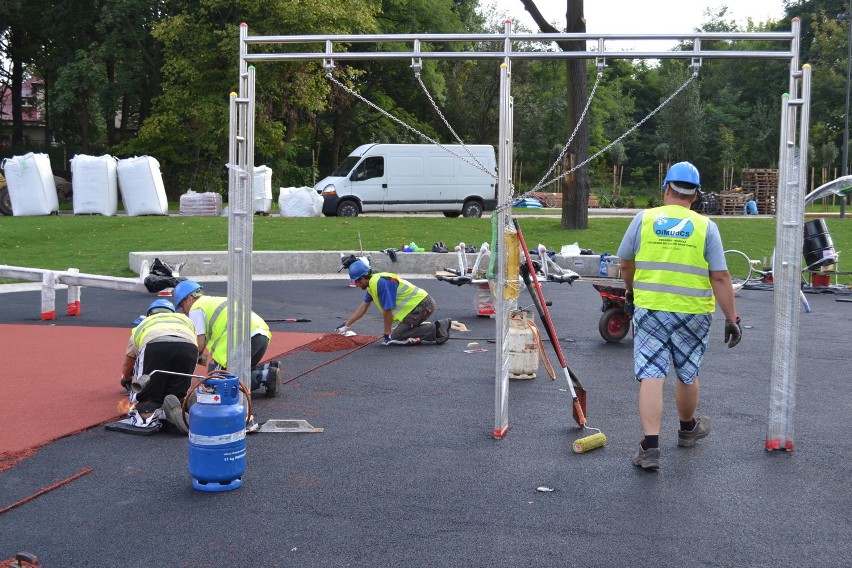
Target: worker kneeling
x=399, y=301
x=159, y=360
x=209, y=314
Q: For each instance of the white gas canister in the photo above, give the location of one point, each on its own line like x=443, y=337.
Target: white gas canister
x=523, y=348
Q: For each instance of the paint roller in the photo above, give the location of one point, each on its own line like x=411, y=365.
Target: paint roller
x=586, y=443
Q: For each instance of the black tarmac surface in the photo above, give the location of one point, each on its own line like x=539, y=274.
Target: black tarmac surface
x=407, y=473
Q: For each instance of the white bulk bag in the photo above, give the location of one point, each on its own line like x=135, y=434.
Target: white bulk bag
x=95, y=184
x=32, y=189
x=262, y=189
x=300, y=202
x=141, y=185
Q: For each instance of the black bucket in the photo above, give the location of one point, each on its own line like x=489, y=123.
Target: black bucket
x=818, y=247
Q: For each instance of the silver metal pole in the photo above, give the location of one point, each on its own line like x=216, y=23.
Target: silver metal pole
x=501, y=314
x=844, y=167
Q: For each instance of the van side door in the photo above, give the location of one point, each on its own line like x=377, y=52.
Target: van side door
x=369, y=183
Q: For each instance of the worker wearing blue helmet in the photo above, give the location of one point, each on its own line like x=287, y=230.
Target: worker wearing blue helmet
x=673, y=265
x=401, y=303
x=209, y=314
x=163, y=343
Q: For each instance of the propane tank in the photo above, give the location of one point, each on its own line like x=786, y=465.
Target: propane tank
x=217, y=435
x=522, y=347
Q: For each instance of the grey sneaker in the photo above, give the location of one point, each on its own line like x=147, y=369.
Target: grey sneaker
x=647, y=459
x=688, y=438
x=272, y=380
x=175, y=414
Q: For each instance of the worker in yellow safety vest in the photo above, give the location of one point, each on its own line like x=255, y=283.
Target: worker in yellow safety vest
x=674, y=270
x=209, y=314
x=401, y=303
x=159, y=359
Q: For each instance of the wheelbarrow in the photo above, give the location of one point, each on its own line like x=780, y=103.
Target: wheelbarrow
x=614, y=323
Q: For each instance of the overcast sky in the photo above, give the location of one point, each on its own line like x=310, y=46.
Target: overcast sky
x=642, y=16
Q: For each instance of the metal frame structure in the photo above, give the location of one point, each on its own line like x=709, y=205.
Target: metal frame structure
x=329, y=49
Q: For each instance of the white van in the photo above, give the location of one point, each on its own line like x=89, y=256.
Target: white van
x=411, y=178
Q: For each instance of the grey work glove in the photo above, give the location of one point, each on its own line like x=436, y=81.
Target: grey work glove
x=386, y=340
x=733, y=332
x=341, y=329
x=628, y=304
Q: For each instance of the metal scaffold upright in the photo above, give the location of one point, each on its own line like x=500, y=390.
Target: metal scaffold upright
x=501, y=49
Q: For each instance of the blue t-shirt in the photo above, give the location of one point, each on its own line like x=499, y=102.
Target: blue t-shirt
x=714, y=252
x=386, y=289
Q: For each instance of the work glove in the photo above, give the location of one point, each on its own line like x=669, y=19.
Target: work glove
x=733, y=332
x=628, y=304
x=341, y=329
x=386, y=340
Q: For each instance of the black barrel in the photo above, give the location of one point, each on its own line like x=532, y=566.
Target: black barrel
x=818, y=247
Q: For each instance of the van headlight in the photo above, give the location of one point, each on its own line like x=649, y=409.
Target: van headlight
x=329, y=190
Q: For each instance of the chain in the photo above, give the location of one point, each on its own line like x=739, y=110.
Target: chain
x=358, y=96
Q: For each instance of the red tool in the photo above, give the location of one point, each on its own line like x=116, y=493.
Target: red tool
x=578, y=393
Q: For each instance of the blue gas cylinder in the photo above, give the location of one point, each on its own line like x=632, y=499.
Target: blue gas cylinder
x=217, y=435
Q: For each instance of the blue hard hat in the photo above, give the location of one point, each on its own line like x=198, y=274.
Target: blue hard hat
x=683, y=172
x=184, y=289
x=358, y=269
x=160, y=303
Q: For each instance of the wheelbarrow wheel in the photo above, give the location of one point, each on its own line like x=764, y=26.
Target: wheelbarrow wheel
x=614, y=325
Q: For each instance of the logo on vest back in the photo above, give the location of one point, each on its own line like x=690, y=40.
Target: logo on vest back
x=673, y=228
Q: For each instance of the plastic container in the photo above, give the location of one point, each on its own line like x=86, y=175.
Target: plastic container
x=32, y=189
x=194, y=204
x=141, y=186
x=95, y=183
x=818, y=248
x=522, y=346
x=262, y=190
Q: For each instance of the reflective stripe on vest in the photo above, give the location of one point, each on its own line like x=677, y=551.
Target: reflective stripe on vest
x=216, y=326
x=407, y=294
x=178, y=323
x=671, y=271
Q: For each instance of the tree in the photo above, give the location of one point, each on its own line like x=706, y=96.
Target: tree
x=575, y=211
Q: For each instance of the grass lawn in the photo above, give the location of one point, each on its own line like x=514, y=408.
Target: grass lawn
x=100, y=245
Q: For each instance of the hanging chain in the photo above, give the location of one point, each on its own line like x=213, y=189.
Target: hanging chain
x=558, y=161
x=623, y=136
x=406, y=126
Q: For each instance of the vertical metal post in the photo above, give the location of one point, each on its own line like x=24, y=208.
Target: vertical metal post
x=240, y=221
x=844, y=166
x=501, y=314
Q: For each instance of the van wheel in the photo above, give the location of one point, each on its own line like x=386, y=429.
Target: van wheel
x=472, y=208
x=347, y=208
x=5, y=201
x=452, y=214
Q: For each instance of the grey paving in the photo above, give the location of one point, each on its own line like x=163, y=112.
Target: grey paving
x=406, y=472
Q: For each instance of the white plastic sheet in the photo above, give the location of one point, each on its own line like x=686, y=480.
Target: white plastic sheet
x=300, y=202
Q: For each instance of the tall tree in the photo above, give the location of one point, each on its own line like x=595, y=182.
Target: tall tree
x=575, y=198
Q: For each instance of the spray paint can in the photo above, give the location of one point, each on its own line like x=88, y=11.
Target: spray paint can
x=217, y=435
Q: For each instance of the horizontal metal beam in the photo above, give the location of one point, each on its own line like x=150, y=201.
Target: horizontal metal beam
x=517, y=55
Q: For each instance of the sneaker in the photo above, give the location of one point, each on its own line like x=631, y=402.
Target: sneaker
x=442, y=330
x=175, y=414
x=647, y=459
x=688, y=438
x=272, y=380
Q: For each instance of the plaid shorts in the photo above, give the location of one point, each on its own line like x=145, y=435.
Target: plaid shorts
x=662, y=338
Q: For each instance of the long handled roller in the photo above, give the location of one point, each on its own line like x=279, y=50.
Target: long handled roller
x=578, y=393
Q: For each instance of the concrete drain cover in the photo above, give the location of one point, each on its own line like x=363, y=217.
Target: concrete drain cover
x=294, y=426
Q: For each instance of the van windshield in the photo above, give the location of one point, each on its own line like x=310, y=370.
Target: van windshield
x=345, y=166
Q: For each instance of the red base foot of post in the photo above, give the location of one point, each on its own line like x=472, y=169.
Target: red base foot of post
x=45, y=316
x=777, y=444
x=74, y=309
x=167, y=293
x=500, y=432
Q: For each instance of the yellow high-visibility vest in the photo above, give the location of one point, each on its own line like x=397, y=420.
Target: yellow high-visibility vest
x=671, y=271
x=407, y=294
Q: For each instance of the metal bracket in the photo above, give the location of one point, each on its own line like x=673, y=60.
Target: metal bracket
x=289, y=426
x=417, y=61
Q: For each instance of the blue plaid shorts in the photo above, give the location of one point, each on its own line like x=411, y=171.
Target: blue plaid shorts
x=662, y=338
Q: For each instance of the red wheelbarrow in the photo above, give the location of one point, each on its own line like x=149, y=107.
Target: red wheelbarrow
x=614, y=323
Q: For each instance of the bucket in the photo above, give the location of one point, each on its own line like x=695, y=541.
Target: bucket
x=818, y=247
x=522, y=346
x=820, y=280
